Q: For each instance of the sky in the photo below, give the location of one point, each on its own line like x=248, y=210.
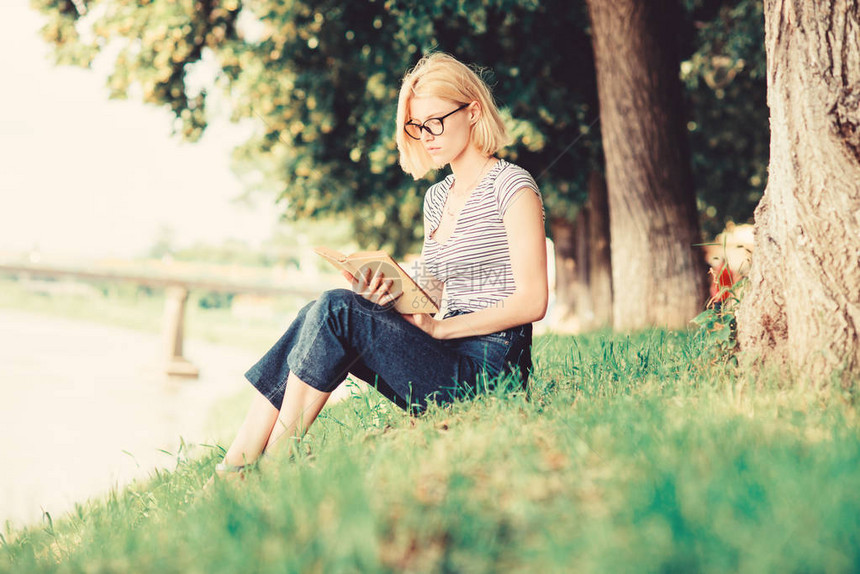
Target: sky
x=85, y=176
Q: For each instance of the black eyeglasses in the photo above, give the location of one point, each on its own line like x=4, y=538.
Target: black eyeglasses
x=434, y=126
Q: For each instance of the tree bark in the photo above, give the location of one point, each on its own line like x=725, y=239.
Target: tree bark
x=583, y=280
x=600, y=258
x=583, y=305
x=802, y=307
x=566, y=275
x=653, y=218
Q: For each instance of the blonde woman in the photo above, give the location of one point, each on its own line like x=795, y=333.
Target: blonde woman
x=484, y=248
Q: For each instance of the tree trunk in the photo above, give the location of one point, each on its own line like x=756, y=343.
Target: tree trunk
x=566, y=275
x=600, y=259
x=658, y=274
x=583, y=306
x=583, y=287
x=802, y=307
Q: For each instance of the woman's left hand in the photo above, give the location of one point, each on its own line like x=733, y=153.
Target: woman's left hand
x=425, y=322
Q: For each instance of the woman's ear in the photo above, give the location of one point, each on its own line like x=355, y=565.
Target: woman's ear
x=474, y=112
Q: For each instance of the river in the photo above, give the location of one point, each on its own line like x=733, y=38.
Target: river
x=86, y=407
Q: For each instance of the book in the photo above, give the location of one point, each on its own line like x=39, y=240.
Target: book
x=414, y=299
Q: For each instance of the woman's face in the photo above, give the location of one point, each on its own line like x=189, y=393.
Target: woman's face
x=455, y=136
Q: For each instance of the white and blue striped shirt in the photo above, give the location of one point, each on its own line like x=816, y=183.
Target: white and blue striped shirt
x=475, y=263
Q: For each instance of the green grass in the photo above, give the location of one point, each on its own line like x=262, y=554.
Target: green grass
x=630, y=454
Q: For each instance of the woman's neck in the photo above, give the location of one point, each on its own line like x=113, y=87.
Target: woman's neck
x=468, y=166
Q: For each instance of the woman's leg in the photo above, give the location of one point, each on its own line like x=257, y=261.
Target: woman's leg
x=253, y=435
x=338, y=334
x=298, y=404
x=254, y=432
x=302, y=404
x=343, y=333
x=264, y=424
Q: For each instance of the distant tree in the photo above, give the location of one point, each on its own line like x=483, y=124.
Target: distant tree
x=583, y=262
x=802, y=307
x=653, y=219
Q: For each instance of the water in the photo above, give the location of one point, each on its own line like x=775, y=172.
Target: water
x=76, y=397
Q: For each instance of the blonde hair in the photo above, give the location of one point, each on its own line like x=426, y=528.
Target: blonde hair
x=443, y=76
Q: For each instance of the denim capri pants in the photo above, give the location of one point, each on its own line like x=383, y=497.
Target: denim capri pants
x=342, y=333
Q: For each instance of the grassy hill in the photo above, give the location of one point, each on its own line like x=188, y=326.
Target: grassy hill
x=630, y=454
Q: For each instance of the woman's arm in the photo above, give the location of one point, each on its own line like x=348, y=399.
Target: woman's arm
x=527, y=244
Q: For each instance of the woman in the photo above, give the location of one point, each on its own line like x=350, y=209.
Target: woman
x=483, y=243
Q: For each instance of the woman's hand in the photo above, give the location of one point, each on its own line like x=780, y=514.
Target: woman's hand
x=373, y=286
x=426, y=323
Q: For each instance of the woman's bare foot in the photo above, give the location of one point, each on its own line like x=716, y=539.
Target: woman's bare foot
x=227, y=473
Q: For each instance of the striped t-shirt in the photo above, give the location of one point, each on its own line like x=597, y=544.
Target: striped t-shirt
x=474, y=263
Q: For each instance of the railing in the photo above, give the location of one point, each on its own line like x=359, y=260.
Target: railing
x=176, y=297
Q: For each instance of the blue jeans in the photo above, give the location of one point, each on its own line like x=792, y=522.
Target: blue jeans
x=342, y=333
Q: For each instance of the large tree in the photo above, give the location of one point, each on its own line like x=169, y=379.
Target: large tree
x=656, y=268
x=802, y=307
x=321, y=79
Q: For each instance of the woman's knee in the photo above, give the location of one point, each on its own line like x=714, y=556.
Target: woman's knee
x=304, y=310
x=299, y=320
x=330, y=304
x=336, y=298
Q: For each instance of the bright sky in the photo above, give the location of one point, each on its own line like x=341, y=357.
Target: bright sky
x=83, y=175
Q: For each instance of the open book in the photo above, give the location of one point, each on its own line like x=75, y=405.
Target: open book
x=414, y=299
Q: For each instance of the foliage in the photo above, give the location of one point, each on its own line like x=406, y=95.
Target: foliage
x=322, y=79
x=718, y=325
x=215, y=300
x=630, y=454
x=725, y=76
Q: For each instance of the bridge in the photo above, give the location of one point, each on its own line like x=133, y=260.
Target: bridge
x=176, y=296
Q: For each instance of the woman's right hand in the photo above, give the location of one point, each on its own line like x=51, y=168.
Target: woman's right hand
x=373, y=286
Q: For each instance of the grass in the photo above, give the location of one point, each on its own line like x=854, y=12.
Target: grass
x=631, y=453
